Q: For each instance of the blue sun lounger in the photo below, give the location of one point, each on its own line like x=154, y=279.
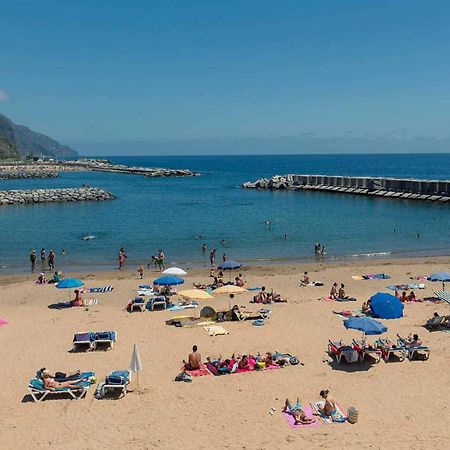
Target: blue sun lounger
x=38, y=392
x=116, y=381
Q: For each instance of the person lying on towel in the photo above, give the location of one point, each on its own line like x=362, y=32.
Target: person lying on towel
x=296, y=411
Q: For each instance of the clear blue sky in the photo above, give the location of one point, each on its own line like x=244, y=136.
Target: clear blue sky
x=109, y=71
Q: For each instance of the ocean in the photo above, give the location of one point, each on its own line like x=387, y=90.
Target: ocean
x=179, y=215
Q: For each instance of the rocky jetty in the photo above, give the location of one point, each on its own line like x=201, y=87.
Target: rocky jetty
x=15, y=197
x=151, y=172
x=27, y=174
x=399, y=188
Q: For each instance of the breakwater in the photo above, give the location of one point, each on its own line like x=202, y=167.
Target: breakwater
x=15, y=197
x=411, y=189
x=27, y=174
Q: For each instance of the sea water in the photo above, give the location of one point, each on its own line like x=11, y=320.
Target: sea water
x=179, y=215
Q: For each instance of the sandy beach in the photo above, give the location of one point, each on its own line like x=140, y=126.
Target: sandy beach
x=401, y=404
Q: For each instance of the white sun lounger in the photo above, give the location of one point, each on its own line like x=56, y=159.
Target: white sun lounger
x=38, y=392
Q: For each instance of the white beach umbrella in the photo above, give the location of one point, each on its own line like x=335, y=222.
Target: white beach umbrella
x=135, y=363
x=176, y=271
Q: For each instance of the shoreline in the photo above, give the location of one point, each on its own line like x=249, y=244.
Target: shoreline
x=276, y=268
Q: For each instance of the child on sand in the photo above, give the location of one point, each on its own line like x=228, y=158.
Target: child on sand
x=140, y=272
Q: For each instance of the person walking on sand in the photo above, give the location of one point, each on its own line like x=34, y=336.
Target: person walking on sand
x=212, y=257
x=33, y=261
x=140, y=272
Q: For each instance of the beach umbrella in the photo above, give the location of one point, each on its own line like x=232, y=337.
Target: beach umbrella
x=366, y=325
x=229, y=289
x=168, y=280
x=195, y=294
x=229, y=265
x=176, y=271
x=440, y=276
x=207, y=312
x=135, y=363
x=386, y=306
x=69, y=283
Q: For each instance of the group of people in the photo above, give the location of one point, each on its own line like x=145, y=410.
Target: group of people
x=42, y=279
x=45, y=260
x=404, y=298
x=265, y=297
x=338, y=293
x=158, y=261
x=219, y=282
x=296, y=410
x=319, y=249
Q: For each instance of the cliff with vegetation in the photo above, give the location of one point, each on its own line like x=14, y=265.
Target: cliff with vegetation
x=18, y=140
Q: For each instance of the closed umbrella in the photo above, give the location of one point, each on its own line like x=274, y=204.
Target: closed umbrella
x=386, y=306
x=168, y=280
x=440, y=276
x=135, y=363
x=175, y=271
x=195, y=294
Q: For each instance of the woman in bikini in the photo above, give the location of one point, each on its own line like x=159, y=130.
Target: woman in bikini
x=329, y=407
x=297, y=412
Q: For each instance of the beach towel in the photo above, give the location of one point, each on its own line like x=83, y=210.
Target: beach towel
x=339, y=417
x=101, y=290
x=309, y=413
x=216, y=330
x=182, y=307
x=198, y=372
x=3, y=322
x=375, y=276
x=144, y=292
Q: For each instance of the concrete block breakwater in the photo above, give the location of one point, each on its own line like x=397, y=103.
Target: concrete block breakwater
x=31, y=174
x=15, y=197
x=411, y=189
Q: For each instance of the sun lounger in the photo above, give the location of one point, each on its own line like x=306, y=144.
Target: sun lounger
x=413, y=351
x=435, y=323
x=38, y=392
x=338, y=350
x=367, y=350
x=104, y=337
x=116, y=381
x=161, y=300
x=388, y=350
x=82, y=341
x=138, y=304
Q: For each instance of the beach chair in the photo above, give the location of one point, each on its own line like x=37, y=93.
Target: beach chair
x=82, y=340
x=38, y=392
x=338, y=350
x=435, y=322
x=415, y=351
x=104, y=338
x=387, y=349
x=161, y=301
x=367, y=350
x=138, y=304
x=117, y=381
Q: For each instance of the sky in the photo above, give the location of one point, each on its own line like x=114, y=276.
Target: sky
x=109, y=76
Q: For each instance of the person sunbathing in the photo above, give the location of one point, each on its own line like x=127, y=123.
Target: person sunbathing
x=61, y=376
x=333, y=292
x=78, y=300
x=412, y=341
x=329, y=407
x=412, y=297
x=243, y=363
x=276, y=298
x=305, y=280
x=341, y=293
x=194, y=360
x=366, y=307
x=51, y=383
x=297, y=412
x=42, y=279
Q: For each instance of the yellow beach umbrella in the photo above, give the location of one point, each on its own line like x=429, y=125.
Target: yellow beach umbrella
x=195, y=294
x=229, y=289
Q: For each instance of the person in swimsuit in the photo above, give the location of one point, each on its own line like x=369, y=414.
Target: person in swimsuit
x=78, y=300
x=194, y=360
x=51, y=383
x=212, y=257
x=297, y=412
x=33, y=260
x=333, y=292
x=341, y=293
x=305, y=280
x=329, y=407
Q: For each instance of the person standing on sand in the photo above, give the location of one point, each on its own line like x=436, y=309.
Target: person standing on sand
x=33, y=260
x=212, y=257
x=161, y=258
x=140, y=272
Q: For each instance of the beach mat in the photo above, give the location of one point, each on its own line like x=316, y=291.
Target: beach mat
x=339, y=417
x=374, y=276
x=197, y=373
x=216, y=330
x=309, y=413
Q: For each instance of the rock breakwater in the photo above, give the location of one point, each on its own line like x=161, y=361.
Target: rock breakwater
x=15, y=197
x=27, y=174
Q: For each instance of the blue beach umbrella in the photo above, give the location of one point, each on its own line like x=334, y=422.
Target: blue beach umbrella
x=69, y=283
x=440, y=276
x=386, y=306
x=229, y=265
x=366, y=325
x=168, y=280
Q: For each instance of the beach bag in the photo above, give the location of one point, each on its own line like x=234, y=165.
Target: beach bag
x=183, y=376
x=293, y=360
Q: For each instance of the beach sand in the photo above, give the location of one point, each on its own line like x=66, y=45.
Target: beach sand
x=401, y=404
